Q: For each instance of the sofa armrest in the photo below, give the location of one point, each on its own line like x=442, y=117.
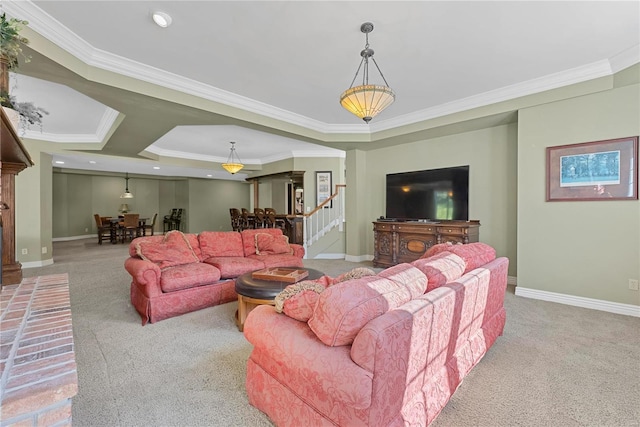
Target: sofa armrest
x=298, y=250
x=293, y=355
x=146, y=274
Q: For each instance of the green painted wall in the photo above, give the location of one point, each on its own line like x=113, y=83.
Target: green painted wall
x=210, y=201
x=33, y=210
x=492, y=157
x=76, y=198
x=587, y=249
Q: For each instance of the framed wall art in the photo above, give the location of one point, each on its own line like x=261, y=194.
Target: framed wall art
x=323, y=188
x=599, y=170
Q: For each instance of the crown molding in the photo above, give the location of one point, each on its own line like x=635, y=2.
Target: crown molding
x=625, y=59
x=51, y=29
x=529, y=87
x=270, y=159
x=194, y=156
x=104, y=126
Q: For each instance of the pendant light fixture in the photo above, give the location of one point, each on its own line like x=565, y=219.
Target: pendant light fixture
x=367, y=100
x=126, y=194
x=233, y=164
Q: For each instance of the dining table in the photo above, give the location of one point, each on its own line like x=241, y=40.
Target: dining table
x=115, y=223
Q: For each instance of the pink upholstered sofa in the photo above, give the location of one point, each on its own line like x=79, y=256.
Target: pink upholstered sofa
x=384, y=350
x=181, y=272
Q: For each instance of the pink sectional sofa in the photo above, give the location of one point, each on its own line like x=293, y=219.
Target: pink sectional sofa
x=181, y=272
x=383, y=350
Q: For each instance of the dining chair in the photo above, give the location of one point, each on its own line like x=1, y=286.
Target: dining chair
x=104, y=231
x=260, y=218
x=150, y=226
x=247, y=219
x=177, y=220
x=236, y=219
x=168, y=220
x=130, y=226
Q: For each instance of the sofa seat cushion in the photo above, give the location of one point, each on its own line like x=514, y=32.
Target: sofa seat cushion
x=283, y=260
x=441, y=268
x=188, y=276
x=174, y=249
x=221, y=244
x=233, y=266
x=473, y=254
x=343, y=309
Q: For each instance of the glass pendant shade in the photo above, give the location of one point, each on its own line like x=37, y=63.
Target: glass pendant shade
x=233, y=164
x=367, y=101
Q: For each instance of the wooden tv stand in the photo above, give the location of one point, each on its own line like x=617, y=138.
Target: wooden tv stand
x=397, y=242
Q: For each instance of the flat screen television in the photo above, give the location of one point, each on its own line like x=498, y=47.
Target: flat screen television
x=434, y=194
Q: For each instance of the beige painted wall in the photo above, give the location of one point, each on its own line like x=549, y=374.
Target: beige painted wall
x=491, y=155
x=587, y=249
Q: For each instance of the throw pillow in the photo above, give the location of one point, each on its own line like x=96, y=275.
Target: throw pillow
x=268, y=244
x=174, y=249
x=356, y=273
x=299, y=299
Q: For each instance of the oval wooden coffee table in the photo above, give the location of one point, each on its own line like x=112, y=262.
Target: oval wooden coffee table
x=254, y=292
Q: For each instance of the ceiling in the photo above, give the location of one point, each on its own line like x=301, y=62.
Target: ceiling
x=129, y=95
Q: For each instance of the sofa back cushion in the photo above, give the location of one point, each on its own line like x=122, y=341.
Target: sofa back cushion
x=343, y=309
x=220, y=244
x=409, y=276
x=192, y=239
x=441, y=268
x=473, y=254
x=249, y=238
x=173, y=249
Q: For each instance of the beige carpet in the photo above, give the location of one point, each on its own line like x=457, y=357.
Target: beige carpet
x=555, y=365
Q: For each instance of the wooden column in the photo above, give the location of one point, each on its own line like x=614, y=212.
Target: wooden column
x=11, y=268
x=13, y=159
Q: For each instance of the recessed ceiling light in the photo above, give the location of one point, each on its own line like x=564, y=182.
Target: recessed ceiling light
x=58, y=162
x=93, y=162
x=161, y=18
x=209, y=176
x=156, y=167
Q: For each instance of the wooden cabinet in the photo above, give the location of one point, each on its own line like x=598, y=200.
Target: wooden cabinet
x=398, y=242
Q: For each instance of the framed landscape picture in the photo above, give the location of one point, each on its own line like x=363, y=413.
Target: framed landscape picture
x=599, y=170
x=323, y=188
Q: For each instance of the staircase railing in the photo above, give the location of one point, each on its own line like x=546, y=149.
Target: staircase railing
x=325, y=217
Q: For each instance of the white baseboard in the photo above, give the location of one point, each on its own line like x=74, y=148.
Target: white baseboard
x=330, y=256
x=67, y=239
x=35, y=264
x=360, y=258
x=594, y=304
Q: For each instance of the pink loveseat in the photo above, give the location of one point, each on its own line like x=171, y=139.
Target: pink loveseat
x=181, y=272
x=384, y=350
